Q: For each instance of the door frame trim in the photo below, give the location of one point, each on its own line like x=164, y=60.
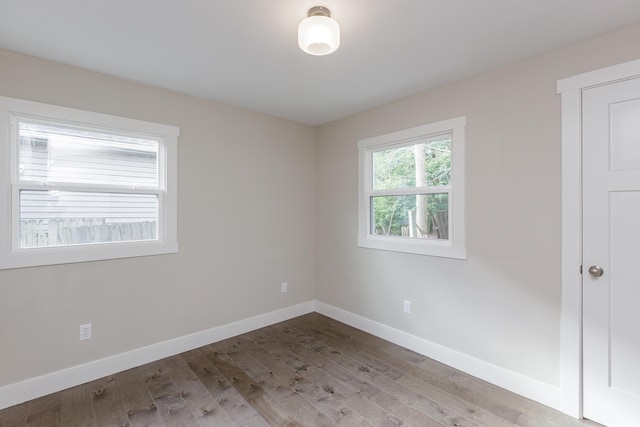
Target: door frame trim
x=571, y=90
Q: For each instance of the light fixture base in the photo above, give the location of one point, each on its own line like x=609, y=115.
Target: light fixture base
x=319, y=11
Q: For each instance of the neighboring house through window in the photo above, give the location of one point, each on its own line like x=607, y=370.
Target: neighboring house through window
x=411, y=190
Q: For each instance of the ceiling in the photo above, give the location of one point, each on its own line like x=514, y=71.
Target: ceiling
x=245, y=52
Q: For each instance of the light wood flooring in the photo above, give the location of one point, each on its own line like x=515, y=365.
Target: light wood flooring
x=308, y=371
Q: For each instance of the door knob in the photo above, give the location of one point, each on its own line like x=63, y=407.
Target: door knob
x=596, y=271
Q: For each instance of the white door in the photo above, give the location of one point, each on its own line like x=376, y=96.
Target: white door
x=611, y=241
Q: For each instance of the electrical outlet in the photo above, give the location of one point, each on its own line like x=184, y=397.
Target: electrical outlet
x=283, y=287
x=85, y=331
x=407, y=306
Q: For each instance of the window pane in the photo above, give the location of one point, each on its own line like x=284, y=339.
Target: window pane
x=425, y=164
x=424, y=216
x=51, y=153
x=437, y=165
x=58, y=218
x=394, y=168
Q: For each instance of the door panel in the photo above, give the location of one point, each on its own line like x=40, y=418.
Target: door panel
x=611, y=240
x=625, y=131
x=623, y=298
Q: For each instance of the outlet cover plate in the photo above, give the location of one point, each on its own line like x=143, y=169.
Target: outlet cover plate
x=85, y=331
x=406, y=307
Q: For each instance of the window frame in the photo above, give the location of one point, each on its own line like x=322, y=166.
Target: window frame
x=12, y=256
x=454, y=247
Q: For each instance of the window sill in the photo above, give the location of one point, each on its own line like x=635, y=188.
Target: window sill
x=83, y=253
x=442, y=249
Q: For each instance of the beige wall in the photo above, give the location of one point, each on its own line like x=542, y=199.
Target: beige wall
x=502, y=305
x=246, y=220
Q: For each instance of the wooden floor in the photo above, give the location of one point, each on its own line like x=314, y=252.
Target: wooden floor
x=308, y=371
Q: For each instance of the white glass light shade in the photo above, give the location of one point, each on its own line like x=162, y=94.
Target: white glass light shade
x=319, y=35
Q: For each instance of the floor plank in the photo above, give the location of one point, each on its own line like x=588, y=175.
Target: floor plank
x=44, y=412
x=14, y=416
x=307, y=371
x=107, y=404
x=200, y=402
x=76, y=410
x=168, y=399
x=138, y=403
x=227, y=397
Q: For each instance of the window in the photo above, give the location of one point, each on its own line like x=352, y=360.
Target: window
x=411, y=190
x=79, y=186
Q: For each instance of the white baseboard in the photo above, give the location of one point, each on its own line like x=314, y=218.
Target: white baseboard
x=32, y=388
x=512, y=381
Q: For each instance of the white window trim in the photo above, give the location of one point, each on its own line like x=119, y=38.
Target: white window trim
x=452, y=248
x=12, y=257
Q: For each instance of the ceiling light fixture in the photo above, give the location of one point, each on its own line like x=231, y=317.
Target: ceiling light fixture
x=319, y=34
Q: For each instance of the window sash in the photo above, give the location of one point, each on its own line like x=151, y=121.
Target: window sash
x=369, y=223
x=16, y=119
x=17, y=215
x=426, y=141
x=370, y=193
x=84, y=184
